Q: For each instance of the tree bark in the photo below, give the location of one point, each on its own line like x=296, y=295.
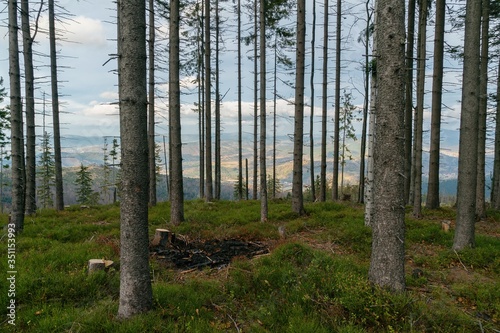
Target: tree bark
x=495, y=189
x=362, y=180
x=55, y=109
x=255, y=101
x=467, y=161
x=174, y=94
x=29, y=78
x=16, y=122
x=419, y=113
x=263, y=115
x=432, y=201
x=324, y=107
x=240, y=130
x=387, y=259
x=208, y=108
x=336, y=134
x=311, y=119
x=217, y=106
x=483, y=107
x=135, y=281
x=151, y=107
x=410, y=41
x=369, y=188
x=298, y=137
x=201, y=103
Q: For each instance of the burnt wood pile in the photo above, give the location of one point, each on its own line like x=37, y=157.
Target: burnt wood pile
x=183, y=254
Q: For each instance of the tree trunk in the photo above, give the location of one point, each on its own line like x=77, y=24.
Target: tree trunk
x=255, y=101
x=16, y=122
x=410, y=41
x=29, y=78
x=208, y=107
x=201, y=104
x=361, y=192
x=263, y=116
x=336, y=138
x=311, y=119
x=55, y=109
x=437, y=91
x=369, y=190
x=387, y=259
x=240, y=130
x=298, y=137
x=275, y=97
x=483, y=106
x=135, y=281
x=151, y=107
x=324, y=107
x=495, y=189
x=174, y=107
x=217, y=106
x=419, y=114
x=467, y=160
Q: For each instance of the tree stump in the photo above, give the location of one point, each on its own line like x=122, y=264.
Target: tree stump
x=445, y=225
x=99, y=265
x=96, y=265
x=162, y=238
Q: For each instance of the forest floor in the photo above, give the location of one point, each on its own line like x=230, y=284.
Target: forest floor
x=225, y=271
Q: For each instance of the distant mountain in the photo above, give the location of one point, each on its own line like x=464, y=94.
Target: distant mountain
x=89, y=151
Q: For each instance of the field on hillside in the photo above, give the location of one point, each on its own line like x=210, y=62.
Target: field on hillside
x=310, y=278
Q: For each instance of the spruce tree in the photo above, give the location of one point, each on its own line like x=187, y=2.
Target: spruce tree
x=85, y=194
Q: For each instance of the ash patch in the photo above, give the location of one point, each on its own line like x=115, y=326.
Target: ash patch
x=211, y=253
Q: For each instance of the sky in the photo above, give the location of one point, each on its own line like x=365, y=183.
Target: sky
x=88, y=84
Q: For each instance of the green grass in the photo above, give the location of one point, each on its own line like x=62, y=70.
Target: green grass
x=315, y=280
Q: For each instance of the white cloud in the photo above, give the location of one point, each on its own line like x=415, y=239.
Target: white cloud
x=109, y=95
x=80, y=30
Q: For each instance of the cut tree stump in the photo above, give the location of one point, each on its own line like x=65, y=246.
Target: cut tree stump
x=445, y=225
x=96, y=265
x=162, y=238
x=99, y=265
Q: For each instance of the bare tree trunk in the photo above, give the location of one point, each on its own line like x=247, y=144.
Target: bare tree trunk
x=467, y=161
x=246, y=179
x=263, y=116
x=336, y=139
x=419, y=114
x=495, y=189
x=201, y=103
x=151, y=107
x=483, y=106
x=55, y=109
x=208, y=107
x=324, y=113
x=298, y=137
x=432, y=201
x=16, y=122
x=255, y=99
x=361, y=193
x=388, y=257
x=217, y=106
x=135, y=281
x=369, y=190
x=174, y=95
x=311, y=120
x=275, y=97
x=410, y=41
x=240, y=130
x=29, y=78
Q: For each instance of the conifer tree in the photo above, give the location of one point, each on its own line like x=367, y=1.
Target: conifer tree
x=85, y=194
